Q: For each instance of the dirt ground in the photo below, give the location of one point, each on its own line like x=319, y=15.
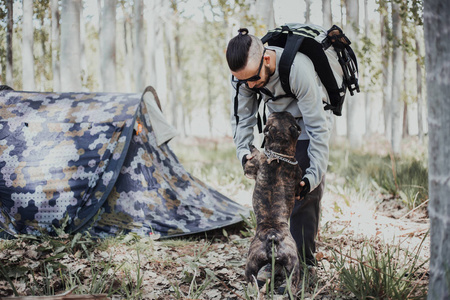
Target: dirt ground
x=215, y=261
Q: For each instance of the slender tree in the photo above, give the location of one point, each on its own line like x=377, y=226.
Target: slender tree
x=308, y=11
x=419, y=78
x=70, y=46
x=28, y=82
x=386, y=67
x=264, y=14
x=139, y=43
x=152, y=28
x=368, y=103
x=55, y=46
x=108, y=49
x=437, y=48
x=397, y=67
x=355, y=107
x=9, y=41
x=83, y=62
x=327, y=15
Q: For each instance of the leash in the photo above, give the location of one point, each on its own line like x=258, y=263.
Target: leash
x=271, y=155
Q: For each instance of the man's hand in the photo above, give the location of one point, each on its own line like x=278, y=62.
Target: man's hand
x=304, y=187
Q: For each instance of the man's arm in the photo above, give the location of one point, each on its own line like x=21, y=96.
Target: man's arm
x=247, y=109
x=305, y=85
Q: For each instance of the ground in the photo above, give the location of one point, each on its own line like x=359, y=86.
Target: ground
x=211, y=265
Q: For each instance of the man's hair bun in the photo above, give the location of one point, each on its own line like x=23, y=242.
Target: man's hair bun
x=243, y=31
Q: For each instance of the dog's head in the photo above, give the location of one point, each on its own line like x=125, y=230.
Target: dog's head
x=281, y=131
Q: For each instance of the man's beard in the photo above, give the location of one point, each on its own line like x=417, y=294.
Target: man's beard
x=266, y=79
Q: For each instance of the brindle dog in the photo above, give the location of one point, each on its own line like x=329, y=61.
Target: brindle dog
x=277, y=184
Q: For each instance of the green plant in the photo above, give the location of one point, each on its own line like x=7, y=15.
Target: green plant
x=389, y=274
x=250, y=224
x=132, y=285
x=5, y=274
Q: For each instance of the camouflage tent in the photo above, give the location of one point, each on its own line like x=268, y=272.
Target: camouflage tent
x=90, y=161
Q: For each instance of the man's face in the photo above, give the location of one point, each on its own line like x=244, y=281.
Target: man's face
x=255, y=74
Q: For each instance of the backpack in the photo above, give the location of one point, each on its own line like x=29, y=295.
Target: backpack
x=312, y=41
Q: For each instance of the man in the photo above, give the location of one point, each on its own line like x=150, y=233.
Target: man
x=255, y=67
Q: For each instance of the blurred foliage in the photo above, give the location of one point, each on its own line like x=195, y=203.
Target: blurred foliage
x=404, y=177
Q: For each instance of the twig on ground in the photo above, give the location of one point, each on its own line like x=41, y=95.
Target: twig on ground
x=328, y=283
x=417, y=283
x=226, y=286
x=423, y=203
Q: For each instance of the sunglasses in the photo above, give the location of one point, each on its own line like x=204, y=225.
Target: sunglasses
x=254, y=77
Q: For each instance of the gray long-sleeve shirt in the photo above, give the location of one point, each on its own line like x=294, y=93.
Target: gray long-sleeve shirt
x=315, y=122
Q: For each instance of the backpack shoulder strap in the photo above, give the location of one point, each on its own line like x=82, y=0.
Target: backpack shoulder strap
x=293, y=43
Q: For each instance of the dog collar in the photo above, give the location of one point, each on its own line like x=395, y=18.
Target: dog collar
x=271, y=155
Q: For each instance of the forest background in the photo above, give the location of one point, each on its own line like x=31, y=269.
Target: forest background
x=179, y=48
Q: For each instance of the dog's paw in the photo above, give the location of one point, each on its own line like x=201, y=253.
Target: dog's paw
x=252, y=165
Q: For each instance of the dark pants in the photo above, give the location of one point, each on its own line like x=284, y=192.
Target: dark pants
x=305, y=215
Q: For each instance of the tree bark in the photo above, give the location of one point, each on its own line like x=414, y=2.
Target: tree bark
x=55, y=46
x=397, y=103
x=264, y=12
x=127, y=41
x=83, y=64
x=386, y=61
x=327, y=15
x=308, y=11
x=28, y=82
x=404, y=96
x=419, y=78
x=139, y=43
x=355, y=109
x=108, y=48
x=9, y=46
x=437, y=48
x=368, y=106
x=152, y=28
x=70, y=46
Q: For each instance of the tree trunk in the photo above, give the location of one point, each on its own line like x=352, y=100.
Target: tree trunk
x=397, y=103
x=355, y=109
x=327, y=15
x=55, y=46
x=42, y=64
x=386, y=61
x=419, y=85
x=366, y=81
x=108, y=41
x=437, y=46
x=308, y=11
x=70, y=46
x=128, y=49
x=83, y=64
x=171, y=80
x=9, y=46
x=404, y=97
x=152, y=28
x=139, y=43
x=28, y=83
x=265, y=15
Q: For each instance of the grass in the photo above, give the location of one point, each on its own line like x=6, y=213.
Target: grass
x=405, y=178
x=386, y=273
